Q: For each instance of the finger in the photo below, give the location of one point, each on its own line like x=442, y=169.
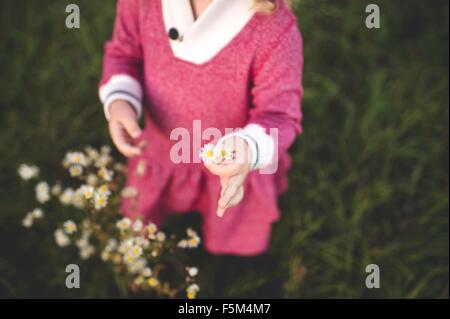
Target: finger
x=228, y=194
x=235, y=200
x=132, y=127
x=231, y=187
x=223, y=169
x=121, y=140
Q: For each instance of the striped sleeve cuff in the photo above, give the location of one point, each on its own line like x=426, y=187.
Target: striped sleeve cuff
x=121, y=87
x=262, y=145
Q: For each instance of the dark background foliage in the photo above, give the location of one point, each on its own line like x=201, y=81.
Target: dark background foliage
x=370, y=181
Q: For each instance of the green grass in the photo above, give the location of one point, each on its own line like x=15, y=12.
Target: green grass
x=370, y=182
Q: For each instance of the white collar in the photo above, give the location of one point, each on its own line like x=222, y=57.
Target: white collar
x=203, y=38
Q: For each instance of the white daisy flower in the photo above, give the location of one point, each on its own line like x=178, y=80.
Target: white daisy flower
x=56, y=189
x=136, y=251
x=105, y=255
x=37, y=213
x=27, y=222
x=66, y=196
x=224, y=153
x=76, y=170
x=129, y=259
x=125, y=246
x=146, y=272
x=87, y=251
x=78, y=199
x=27, y=172
x=87, y=191
x=138, y=225
x=42, y=192
x=207, y=153
x=76, y=158
x=100, y=201
x=104, y=190
x=70, y=227
x=92, y=179
x=192, y=291
x=112, y=244
x=62, y=240
x=137, y=266
x=124, y=223
x=160, y=236
x=105, y=149
x=92, y=153
x=192, y=271
x=182, y=243
x=142, y=241
x=105, y=174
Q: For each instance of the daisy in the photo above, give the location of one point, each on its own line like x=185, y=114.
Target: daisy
x=129, y=259
x=78, y=199
x=37, y=213
x=224, y=153
x=27, y=172
x=66, y=196
x=92, y=179
x=182, y=243
x=192, y=291
x=76, y=158
x=75, y=170
x=42, y=192
x=207, y=153
x=160, y=236
x=27, y=222
x=56, y=189
x=192, y=271
x=104, y=190
x=146, y=272
x=100, y=201
x=87, y=251
x=70, y=227
x=87, y=191
x=151, y=228
x=105, y=174
x=124, y=223
x=136, y=251
x=193, y=242
x=61, y=238
x=138, y=226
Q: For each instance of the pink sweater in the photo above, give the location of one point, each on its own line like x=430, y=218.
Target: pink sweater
x=254, y=79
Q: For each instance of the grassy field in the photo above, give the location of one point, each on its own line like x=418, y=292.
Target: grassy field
x=370, y=182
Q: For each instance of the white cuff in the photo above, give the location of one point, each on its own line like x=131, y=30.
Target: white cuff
x=262, y=145
x=123, y=87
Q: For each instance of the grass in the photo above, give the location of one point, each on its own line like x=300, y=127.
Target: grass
x=370, y=182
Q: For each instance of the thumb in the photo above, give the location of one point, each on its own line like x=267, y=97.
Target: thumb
x=132, y=127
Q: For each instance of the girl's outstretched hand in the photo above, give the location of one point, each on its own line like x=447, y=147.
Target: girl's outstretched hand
x=232, y=172
x=124, y=128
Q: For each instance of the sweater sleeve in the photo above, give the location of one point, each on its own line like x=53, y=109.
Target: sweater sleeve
x=122, y=61
x=276, y=94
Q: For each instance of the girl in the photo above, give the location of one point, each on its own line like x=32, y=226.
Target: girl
x=225, y=64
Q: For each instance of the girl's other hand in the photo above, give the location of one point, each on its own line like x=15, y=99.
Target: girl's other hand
x=232, y=173
x=124, y=128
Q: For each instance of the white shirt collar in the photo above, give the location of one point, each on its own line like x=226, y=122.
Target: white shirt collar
x=203, y=38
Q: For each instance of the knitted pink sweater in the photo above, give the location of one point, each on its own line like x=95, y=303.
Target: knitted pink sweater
x=255, y=78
